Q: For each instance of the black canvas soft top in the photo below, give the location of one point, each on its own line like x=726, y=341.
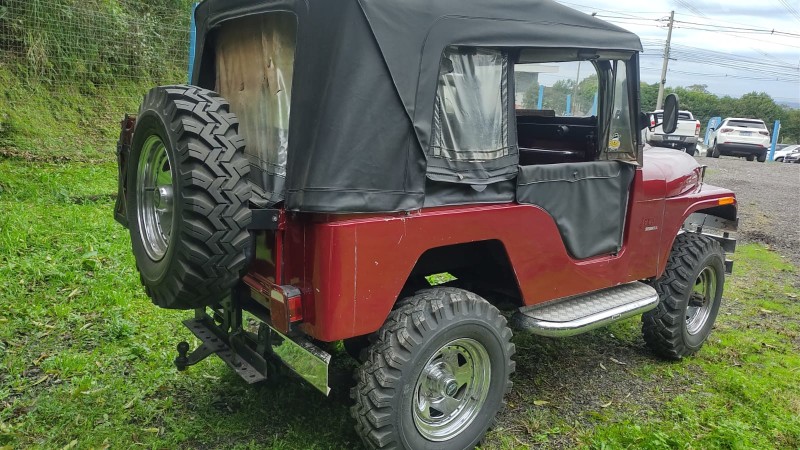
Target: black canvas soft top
x=365, y=83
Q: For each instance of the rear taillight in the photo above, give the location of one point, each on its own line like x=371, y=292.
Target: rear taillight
x=764, y=133
x=726, y=130
x=652, y=121
x=697, y=128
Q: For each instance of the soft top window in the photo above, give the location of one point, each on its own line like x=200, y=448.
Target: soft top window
x=255, y=70
x=471, y=114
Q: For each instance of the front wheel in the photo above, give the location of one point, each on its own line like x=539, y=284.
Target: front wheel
x=715, y=151
x=435, y=374
x=690, y=293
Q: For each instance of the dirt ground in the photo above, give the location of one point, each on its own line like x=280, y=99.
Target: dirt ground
x=769, y=200
x=589, y=376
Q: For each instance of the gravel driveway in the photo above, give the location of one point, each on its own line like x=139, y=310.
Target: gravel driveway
x=769, y=200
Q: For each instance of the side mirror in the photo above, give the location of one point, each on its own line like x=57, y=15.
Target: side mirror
x=671, y=107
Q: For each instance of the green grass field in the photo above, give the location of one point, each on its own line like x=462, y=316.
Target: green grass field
x=86, y=359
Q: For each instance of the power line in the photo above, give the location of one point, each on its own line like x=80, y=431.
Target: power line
x=720, y=75
x=788, y=6
x=724, y=28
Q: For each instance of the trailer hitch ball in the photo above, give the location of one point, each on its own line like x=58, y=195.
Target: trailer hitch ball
x=182, y=360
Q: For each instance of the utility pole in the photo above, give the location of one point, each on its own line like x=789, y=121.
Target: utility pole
x=663, y=83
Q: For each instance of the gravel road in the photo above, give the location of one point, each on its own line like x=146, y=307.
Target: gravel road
x=769, y=200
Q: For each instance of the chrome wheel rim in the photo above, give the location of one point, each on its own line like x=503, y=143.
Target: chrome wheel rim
x=155, y=200
x=452, y=389
x=701, y=300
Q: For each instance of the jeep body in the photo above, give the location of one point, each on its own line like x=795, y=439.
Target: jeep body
x=331, y=159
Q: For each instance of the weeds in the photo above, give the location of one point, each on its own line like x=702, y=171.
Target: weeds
x=86, y=359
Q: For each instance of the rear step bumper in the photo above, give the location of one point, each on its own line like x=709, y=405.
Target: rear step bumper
x=585, y=312
x=250, y=348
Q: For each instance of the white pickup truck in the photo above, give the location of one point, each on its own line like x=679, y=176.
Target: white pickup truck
x=685, y=136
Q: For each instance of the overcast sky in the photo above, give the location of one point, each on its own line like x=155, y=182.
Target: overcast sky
x=756, y=57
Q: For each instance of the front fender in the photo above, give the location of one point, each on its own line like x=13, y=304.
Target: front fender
x=678, y=170
x=710, y=200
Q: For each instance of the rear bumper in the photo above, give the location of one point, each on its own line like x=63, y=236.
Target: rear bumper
x=248, y=342
x=739, y=149
x=662, y=140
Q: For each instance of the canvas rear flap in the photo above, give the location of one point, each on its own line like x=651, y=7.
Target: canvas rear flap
x=255, y=63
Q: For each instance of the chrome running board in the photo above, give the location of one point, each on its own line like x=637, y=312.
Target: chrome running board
x=585, y=312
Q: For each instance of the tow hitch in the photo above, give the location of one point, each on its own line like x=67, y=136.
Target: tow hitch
x=245, y=340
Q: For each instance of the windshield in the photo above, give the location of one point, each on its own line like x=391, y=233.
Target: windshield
x=579, y=90
x=618, y=136
x=567, y=89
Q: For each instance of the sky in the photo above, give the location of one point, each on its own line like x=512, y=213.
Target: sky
x=722, y=44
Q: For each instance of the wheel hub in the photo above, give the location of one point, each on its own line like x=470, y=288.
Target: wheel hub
x=701, y=300
x=163, y=197
x=451, y=389
x=155, y=200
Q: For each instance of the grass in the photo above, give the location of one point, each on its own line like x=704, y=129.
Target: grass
x=86, y=359
x=71, y=123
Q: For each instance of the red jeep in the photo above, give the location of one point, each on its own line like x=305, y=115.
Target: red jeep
x=377, y=173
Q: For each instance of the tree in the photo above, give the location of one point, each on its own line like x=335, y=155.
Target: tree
x=790, y=126
x=555, y=96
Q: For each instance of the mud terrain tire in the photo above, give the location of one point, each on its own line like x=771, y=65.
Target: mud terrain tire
x=403, y=360
x=684, y=317
x=188, y=197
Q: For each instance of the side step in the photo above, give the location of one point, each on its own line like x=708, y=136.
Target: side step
x=585, y=312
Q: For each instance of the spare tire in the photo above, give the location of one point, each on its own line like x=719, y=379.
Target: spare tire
x=188, y=197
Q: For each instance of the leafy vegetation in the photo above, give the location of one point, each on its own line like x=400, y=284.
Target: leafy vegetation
x=96, y=42
x=70, y=70
x=86, y=359
x=705, y=105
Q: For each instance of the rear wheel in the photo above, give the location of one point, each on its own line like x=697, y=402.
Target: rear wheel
x=715, y=150
x=187, y=197
x=690, y=294
x=692, y=149
x=750, y=157
x=762, y=157
x=436, y=373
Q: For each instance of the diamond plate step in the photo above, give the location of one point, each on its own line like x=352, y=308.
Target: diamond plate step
x=581, y=313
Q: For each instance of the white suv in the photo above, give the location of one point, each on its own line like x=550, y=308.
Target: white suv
x=748, y=138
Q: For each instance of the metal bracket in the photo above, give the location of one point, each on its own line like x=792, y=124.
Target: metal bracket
x=215, y=344
x=264, y=219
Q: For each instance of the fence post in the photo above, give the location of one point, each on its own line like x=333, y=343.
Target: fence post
x=192, y=43
x=713, y=122
x=776, y=130
x=541, y=97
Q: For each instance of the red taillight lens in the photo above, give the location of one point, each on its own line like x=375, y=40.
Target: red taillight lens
x=652, y=121
x=764, y=133
x=697, y=129
x=726, y=130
